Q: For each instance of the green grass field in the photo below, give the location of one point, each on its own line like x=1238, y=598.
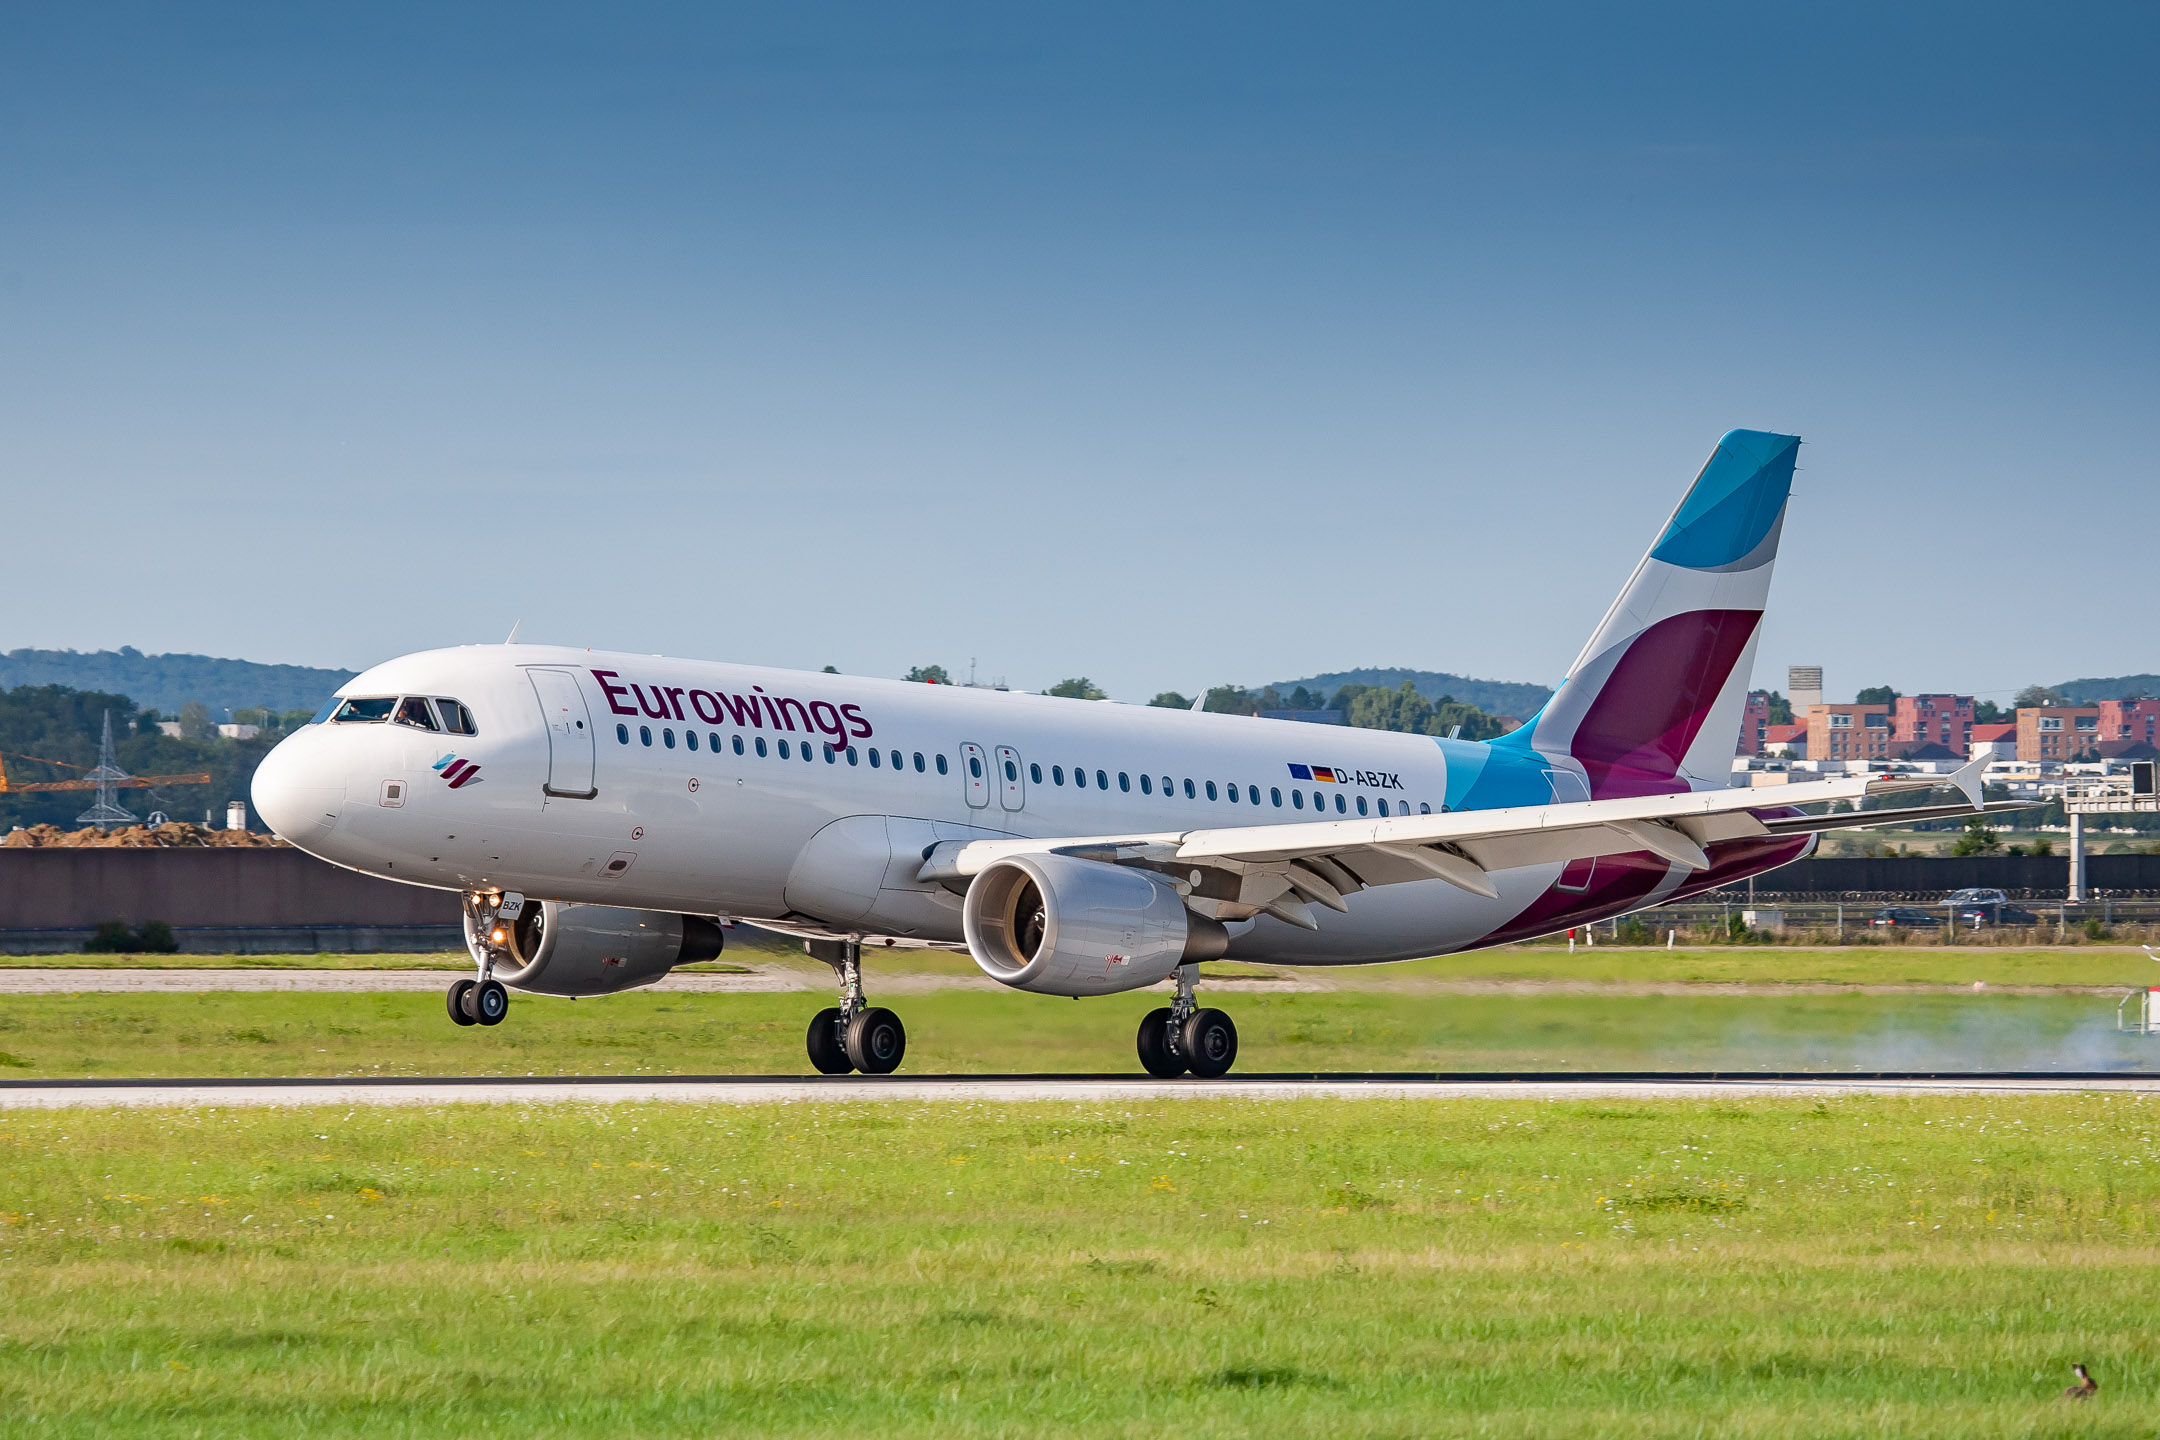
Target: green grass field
x=1862, y=1267
x=1846, y=965
x=226, y=1033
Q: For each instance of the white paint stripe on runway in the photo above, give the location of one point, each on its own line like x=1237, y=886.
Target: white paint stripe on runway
x=828, y=1091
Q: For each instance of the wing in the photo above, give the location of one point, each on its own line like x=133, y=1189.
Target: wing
x=1236, y=872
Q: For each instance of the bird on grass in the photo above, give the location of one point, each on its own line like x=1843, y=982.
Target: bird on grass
x=2085, y=1387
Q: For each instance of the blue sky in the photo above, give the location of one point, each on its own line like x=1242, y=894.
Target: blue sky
x=1172, y=345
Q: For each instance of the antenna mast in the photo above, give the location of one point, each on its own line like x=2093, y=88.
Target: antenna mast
x=108, y=775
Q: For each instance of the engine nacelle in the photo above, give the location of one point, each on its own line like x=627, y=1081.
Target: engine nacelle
x=1057, y=925
x=565, y=949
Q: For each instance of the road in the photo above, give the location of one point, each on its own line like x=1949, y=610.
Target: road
x=765, y=1089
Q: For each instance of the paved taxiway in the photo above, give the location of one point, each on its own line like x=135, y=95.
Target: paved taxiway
x=766, y=1089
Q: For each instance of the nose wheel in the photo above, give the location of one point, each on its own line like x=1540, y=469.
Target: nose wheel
x=852, y=1035
x=478, y=1002
x=1181, y=1036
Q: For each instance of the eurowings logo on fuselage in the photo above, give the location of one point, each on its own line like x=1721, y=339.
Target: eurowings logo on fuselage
x=840, y=724
x=458, y=772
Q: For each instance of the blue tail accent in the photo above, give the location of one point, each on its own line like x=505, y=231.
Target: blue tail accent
x=1734, y=504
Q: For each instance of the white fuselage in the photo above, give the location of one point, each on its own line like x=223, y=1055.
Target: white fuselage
x=812, y=798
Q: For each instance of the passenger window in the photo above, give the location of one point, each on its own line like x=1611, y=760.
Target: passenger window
x=1252, y=793
x=689, y=738
x=1035, y=773
x=1057, y=774
x=1361, y=805
x=667, y=738
x=1424, y=808
x=622, y=734
x=874, y=761
x=1211, y=789
x=1079, y=777
x=832, y=756
x=1340, y=807
x=1012, y=771
x=1297, y=799
x=365, y=712
x=1233, y=793
x=851, y=754
x=974, y=768
x=1190, y=793
x=1274, y=794
x=940, y=765
x=1167, y=787
x=806, y=752
x=644, y=734
x=919, y=764
x=1102, y=781
x=1319, y=801
x=713, y=739
x=761, y=747
x=896, y=761
x=783, y=750
x=1147, y=785
x=1383, y=809
x=738, y=745
x=1124, y=782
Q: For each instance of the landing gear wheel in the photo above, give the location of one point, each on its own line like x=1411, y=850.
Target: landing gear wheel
x=1154, y=1046
x=1209, y=1043
x=875, y=1041
x=459, y=999
x=828, y=1054
x=490, y=1002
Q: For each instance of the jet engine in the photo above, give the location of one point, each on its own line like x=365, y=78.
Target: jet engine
x=565, y=949
x=1057, y=925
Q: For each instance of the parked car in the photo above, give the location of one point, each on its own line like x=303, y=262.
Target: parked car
x=1987, y=907
x=1906, y=916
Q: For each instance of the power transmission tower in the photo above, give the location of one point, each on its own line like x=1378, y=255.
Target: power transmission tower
x=109, y=776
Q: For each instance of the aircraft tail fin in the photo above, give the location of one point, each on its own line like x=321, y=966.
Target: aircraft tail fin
x=1653, y=704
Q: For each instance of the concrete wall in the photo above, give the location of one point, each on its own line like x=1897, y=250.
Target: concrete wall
x=237, y=901
x=2026, y=876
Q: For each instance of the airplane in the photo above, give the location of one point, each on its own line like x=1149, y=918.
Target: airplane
x=606, y=817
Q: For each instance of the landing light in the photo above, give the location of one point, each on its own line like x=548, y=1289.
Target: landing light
x=498, y=936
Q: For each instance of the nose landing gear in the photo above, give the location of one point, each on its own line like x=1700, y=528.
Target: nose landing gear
x=852, y=1035
x=1181, y=1036
x=484, y=1000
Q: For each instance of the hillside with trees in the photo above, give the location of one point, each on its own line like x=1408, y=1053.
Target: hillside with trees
x=1494, y=697
x=167, y=682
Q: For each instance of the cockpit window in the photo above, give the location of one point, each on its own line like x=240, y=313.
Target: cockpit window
x=365, y=712
x=416, y=712
x=456, y=718
x=329, y=708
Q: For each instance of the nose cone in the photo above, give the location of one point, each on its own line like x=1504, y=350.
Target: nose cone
x=297, y=791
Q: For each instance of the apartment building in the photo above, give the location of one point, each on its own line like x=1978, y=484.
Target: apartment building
x=1850, y=732
x=1945, y=720
x=2057, y=732
x=1754, y=724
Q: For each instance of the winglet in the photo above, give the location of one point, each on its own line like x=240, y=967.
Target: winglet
x=1967, y=778
x=517, y=626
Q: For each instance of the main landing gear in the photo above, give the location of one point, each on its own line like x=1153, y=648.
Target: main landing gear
x=852, y=1035
x=1181, y=1036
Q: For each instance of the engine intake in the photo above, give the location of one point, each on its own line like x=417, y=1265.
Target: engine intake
x=1057, y=925
x=566, y=949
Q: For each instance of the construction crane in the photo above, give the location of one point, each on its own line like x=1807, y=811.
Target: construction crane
x=131, y=782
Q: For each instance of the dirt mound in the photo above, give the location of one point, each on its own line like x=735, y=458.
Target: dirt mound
x=173, y=835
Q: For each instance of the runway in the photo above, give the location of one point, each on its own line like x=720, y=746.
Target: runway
x=768, y=1089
